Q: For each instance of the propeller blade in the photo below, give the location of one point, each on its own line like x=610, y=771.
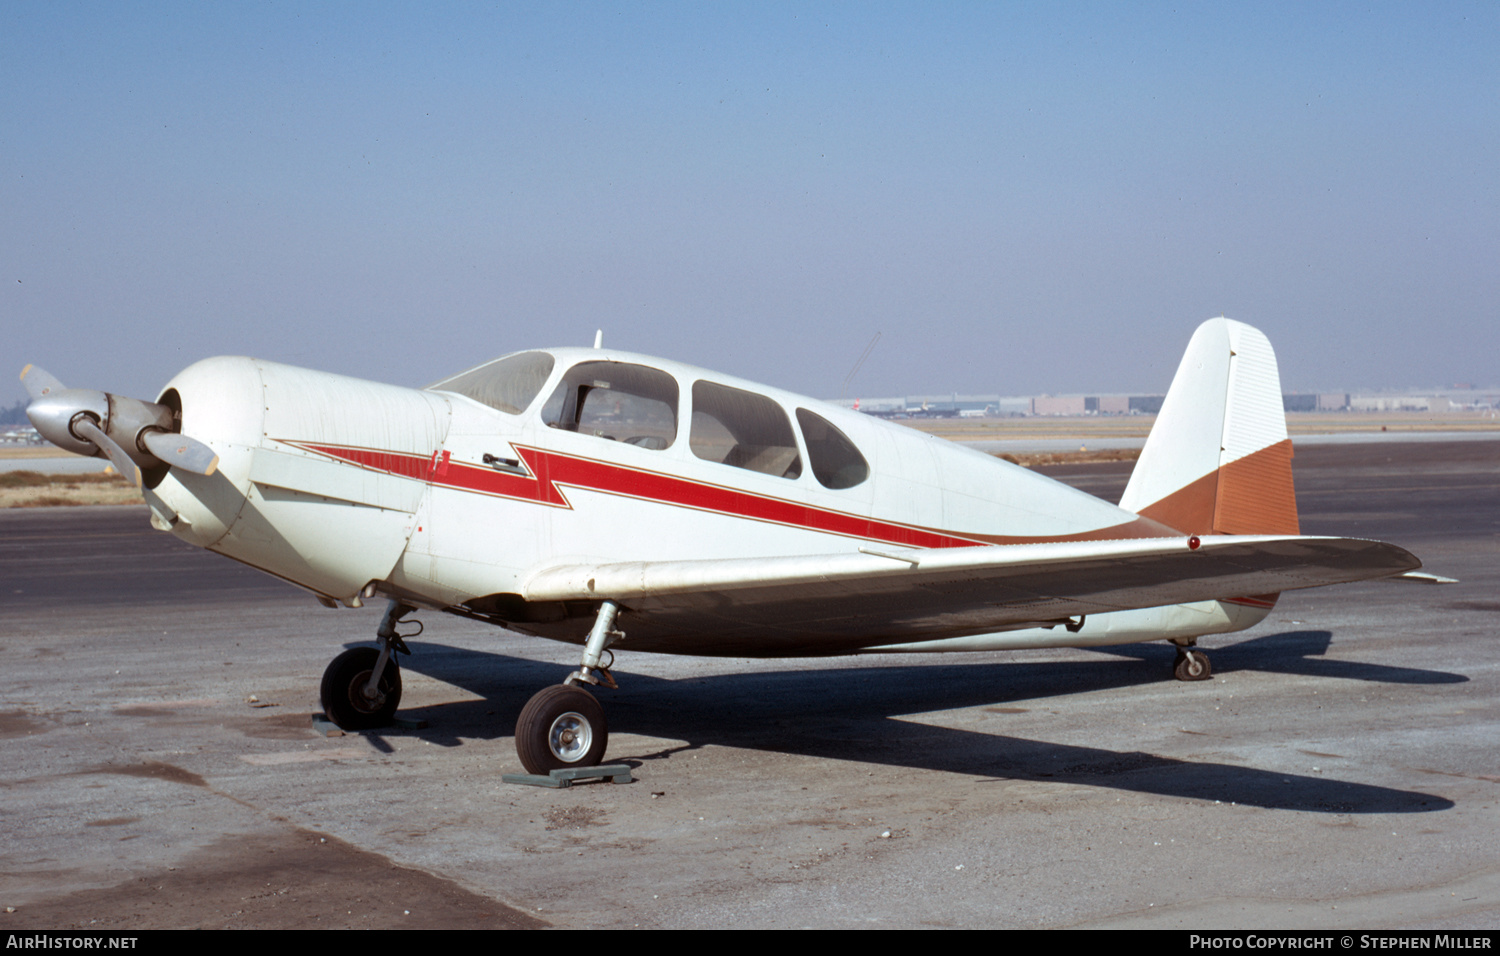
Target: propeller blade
x=183, y=452
x=38, y=382
x=122, y=462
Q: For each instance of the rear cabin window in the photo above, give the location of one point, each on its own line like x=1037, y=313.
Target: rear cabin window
x=744, y=430
x=634, y=404
x=507, y=384
x=836, y=463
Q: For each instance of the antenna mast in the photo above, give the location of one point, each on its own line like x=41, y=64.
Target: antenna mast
x=853, y=371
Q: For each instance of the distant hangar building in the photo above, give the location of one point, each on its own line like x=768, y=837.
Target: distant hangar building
x=955, y=405
x=1096, y=404
x=1321, y=402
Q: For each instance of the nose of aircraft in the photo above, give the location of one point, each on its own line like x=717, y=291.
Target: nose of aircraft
x=131, y=433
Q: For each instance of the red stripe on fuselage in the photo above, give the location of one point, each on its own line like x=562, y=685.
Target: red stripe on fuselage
x=1264, y=601
x=552, y=472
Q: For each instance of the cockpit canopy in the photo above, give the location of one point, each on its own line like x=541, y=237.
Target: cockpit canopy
x=641, y=405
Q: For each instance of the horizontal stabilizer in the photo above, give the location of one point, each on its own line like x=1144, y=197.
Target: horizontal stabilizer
x=1422, y=577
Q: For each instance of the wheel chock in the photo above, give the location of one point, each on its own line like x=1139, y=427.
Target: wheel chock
x=326, y=727
x=557, y=779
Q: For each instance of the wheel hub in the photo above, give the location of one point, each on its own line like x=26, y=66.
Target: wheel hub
x=360, y=696
x=570, y=737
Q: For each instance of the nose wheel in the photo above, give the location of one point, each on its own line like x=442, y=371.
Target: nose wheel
x=560, y=727
x=361, y=688
x=1192, y=664
x=348, y=699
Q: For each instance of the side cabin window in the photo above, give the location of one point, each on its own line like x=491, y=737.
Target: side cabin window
x=507, y=384
x=836, y=463
x=742, y=429
x=634, y=404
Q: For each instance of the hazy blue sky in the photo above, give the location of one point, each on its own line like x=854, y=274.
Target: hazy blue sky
x=1021, y=197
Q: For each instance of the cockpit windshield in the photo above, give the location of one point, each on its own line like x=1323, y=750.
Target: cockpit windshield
x=508, y=384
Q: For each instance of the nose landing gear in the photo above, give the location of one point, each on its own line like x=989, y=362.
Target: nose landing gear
x=1191, y=664
x=361, y=688
x=347, y=698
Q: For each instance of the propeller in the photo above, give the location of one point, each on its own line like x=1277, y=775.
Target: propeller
x=131, y=433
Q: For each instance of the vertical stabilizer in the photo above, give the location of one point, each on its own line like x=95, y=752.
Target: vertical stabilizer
x=1218, y=460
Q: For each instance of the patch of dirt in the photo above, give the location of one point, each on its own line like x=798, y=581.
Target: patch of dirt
x=17, y=723
x=280, y=725
x=296, y=880
x=155, y=770
x=145, y=710
x=574, y=818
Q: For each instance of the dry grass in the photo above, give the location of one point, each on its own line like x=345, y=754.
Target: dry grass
x=34, y=451
x=1037, y=459
x=30, y=489
x=1032, y=429
x=1138, y=426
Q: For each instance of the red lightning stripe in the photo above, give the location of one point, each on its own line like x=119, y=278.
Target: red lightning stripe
x=552, y=472
x=1262, y=600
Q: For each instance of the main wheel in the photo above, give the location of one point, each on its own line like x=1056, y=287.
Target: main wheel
x=1192, y=665
x=343, y=690
x=561, y=726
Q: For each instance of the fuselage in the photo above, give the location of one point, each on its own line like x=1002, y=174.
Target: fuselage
x=459, y=492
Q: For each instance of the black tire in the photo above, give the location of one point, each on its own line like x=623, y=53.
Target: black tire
x=561, y=726
x=344, y=681
x=1192, y=665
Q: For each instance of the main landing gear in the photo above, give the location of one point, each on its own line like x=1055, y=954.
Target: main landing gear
x=362, y=687
x=563, y=725
x=1191, y=664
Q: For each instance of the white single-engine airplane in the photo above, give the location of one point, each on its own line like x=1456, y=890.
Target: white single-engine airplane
x=594, y=497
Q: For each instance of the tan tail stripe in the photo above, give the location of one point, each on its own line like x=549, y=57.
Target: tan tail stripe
x=1256, y=494
x=1253, y=495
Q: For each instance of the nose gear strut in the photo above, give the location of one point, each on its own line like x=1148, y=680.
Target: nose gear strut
x=362, y=687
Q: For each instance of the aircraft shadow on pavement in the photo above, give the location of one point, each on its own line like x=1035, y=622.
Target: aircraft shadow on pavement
x=1289, y=652
x=855, y=714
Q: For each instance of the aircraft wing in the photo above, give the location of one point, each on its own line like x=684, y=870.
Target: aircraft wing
x=830, y=604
